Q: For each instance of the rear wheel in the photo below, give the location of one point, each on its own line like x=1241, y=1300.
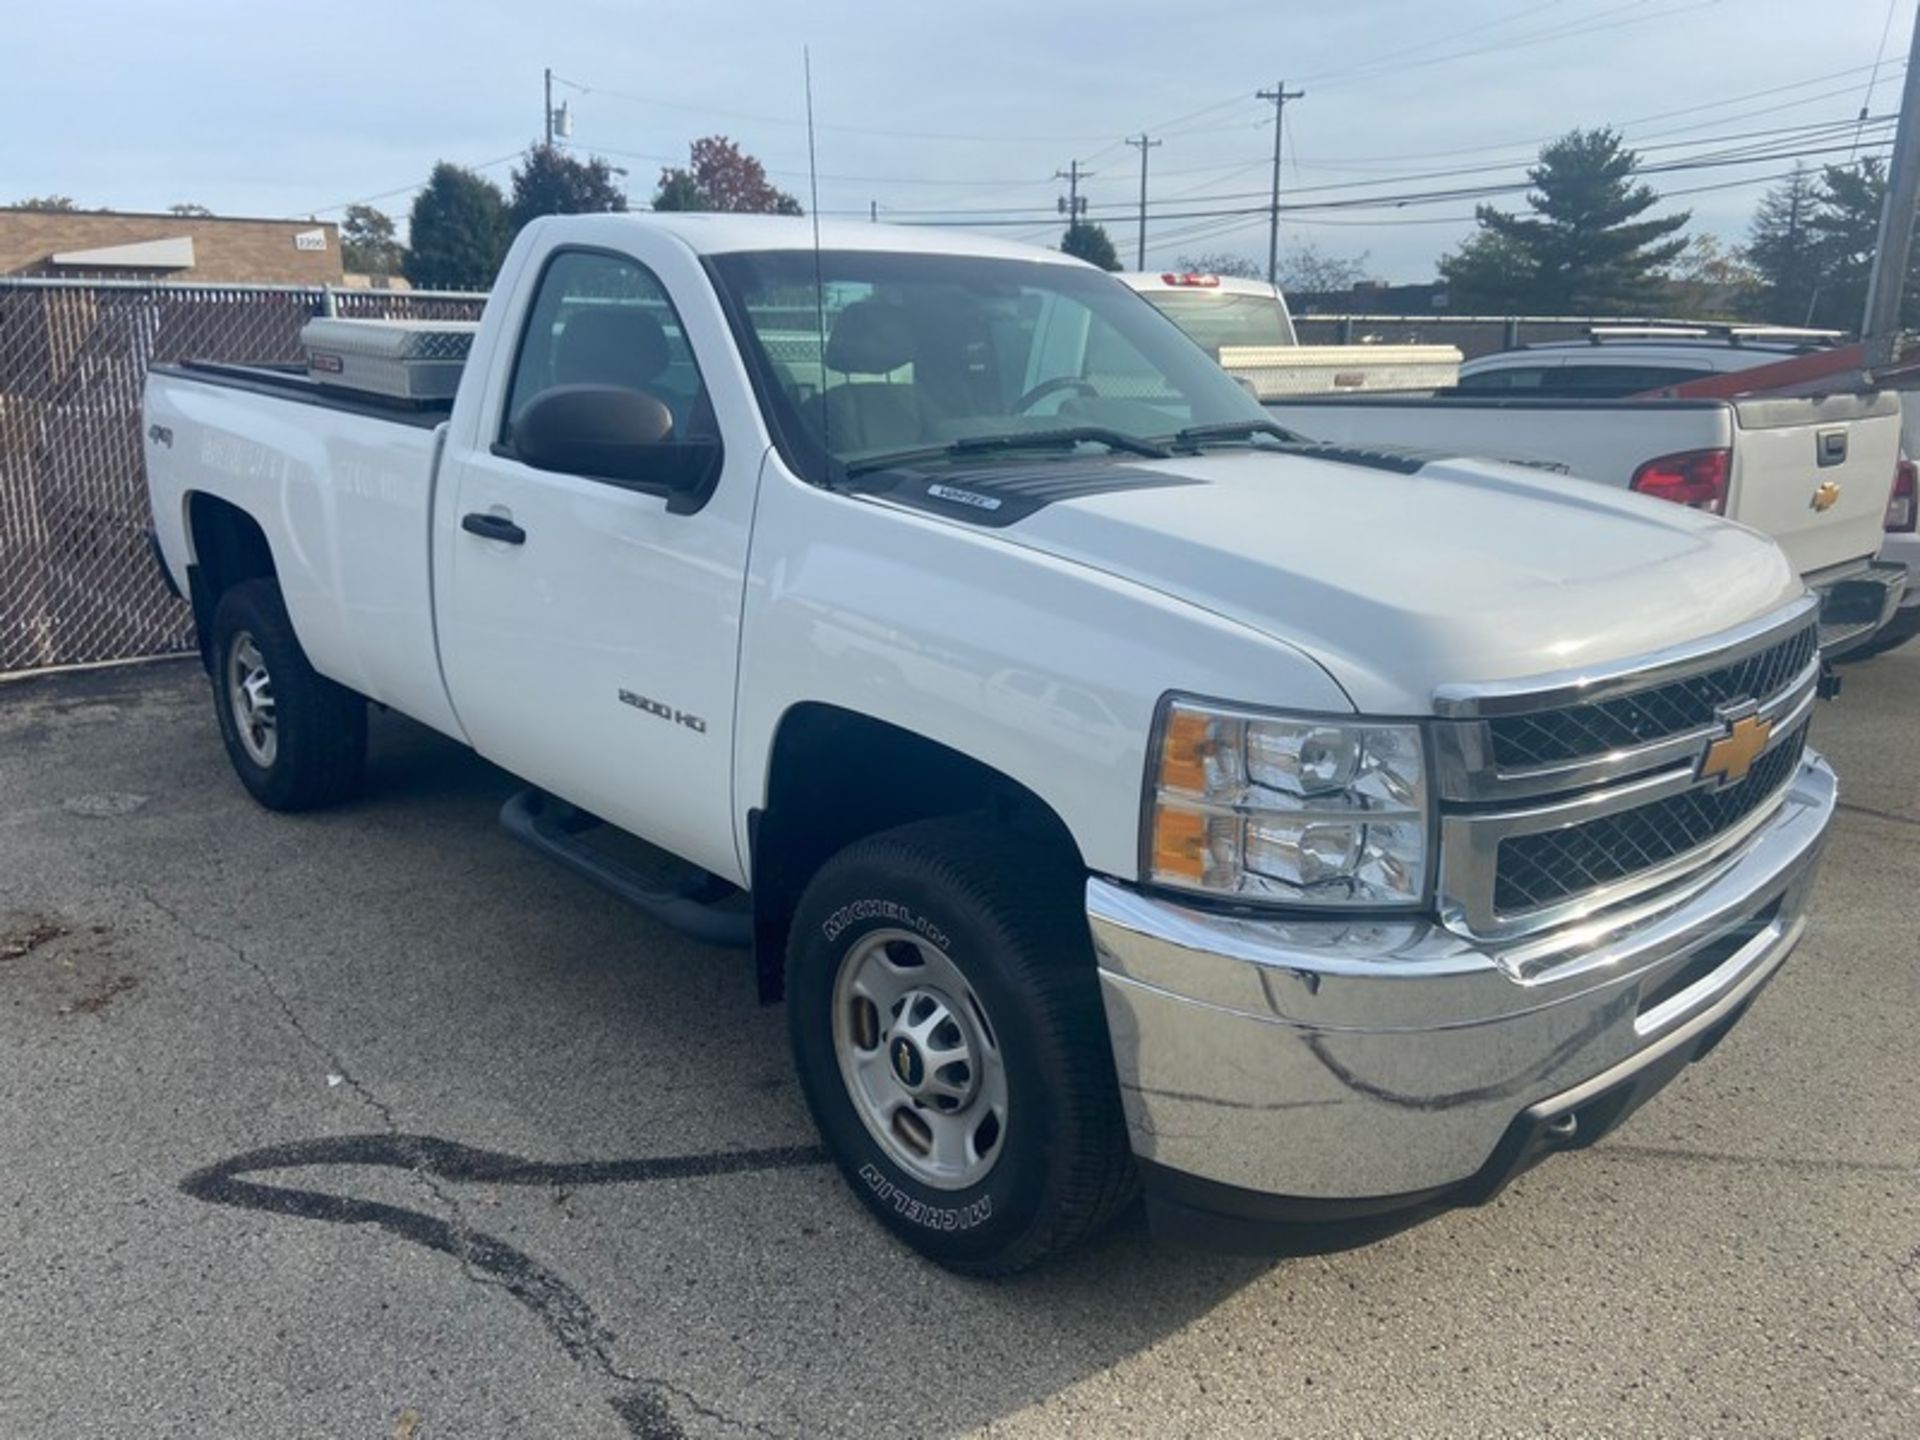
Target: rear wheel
x=296, y=739
x=947, y=1026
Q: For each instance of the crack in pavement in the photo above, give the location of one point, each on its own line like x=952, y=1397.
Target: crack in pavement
x=489, y=1260
x=1727, y=1157
x=1889, y=816
x=643, y=1406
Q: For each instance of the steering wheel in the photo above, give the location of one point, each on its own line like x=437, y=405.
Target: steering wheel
x=1047, y=387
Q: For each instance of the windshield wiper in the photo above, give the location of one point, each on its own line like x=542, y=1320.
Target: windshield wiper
x=1066, y=435
x=1194, y=436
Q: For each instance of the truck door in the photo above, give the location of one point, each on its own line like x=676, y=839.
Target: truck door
x=589, y=636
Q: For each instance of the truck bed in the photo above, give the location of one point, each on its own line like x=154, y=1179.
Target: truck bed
x=291, y=382
x=352, y=474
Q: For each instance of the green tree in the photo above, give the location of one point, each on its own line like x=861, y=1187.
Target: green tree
x=187, y=209
x=46, y=202
x=1088, y=241
x=1714, y=282
x=1489, y=274
x=1781, y=249
x=368, y=244
x=1584, y=248
x=719, y=175
x=1846, y=233
x=458, y=231
x=551, y=182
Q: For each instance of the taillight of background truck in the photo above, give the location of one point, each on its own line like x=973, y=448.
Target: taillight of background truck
x=1697, y=478
x=1903, y=506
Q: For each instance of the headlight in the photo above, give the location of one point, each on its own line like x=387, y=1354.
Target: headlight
x=1291, y=810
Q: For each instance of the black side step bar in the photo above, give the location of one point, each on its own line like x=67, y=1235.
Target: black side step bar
x=683, y=896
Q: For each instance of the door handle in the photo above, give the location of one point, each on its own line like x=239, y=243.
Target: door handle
x=493, y=527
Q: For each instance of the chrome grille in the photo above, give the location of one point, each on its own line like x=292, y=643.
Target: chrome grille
x=1576, y=731
x=1571, y=793
x=1554, y=865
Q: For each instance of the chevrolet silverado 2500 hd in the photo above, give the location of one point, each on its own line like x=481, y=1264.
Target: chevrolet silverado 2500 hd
x=1118, y=791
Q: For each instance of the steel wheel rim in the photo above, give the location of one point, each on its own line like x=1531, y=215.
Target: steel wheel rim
x=938, y=1108
x=250, y=697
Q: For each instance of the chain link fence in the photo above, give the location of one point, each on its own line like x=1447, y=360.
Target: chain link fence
x=77, y=583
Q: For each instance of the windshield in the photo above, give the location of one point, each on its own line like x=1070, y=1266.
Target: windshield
x=923, y=351
x=1212, y=319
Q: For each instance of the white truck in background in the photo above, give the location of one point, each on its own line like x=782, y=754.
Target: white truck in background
x=1120, y=794
x=1813, y=473
x=1246, y=326
x=1619, y=360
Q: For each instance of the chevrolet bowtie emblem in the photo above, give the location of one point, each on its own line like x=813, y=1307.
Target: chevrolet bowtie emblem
x=1826, y=495
x=1729, y=758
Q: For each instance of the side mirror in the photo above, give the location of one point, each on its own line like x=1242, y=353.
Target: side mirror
x=622, y=436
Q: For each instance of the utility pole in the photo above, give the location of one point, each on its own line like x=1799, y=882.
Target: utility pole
x=873, y=211
x=548, y=112
x=1143, y=145
x=1880, y=329
x=1279, y=95
x=1071, y=205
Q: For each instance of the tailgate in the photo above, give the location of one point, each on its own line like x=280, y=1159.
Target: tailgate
x=1815, y=473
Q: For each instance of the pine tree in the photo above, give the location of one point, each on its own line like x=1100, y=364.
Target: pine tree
x=1085, y=240
x=1583, y=250
x=1781, y=248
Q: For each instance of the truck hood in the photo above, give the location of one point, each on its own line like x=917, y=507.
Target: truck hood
x=1400, y=572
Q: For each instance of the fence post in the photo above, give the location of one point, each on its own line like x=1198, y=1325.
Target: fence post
x=1346, y=329
x=1510, y=336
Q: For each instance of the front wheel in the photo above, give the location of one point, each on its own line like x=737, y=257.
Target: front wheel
x=946, y=1022
x=296, y=739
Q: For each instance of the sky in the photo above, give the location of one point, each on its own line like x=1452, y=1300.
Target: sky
x=956, y=113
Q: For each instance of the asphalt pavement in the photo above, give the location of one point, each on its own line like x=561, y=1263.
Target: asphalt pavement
x=371, y=1124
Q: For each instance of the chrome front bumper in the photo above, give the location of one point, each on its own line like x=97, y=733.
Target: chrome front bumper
x=1336, y=1061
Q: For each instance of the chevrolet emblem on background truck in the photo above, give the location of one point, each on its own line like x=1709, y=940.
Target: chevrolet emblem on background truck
x=1825, y=496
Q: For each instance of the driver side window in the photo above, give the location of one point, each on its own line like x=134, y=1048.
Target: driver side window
x=601, y=319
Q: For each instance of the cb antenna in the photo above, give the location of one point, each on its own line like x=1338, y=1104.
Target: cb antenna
x=819, y=283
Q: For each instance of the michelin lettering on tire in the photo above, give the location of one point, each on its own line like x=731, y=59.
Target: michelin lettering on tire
x=889, y=910
x=934, y=1217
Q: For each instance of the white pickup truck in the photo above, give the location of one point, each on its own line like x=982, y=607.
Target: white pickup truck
x=1813, y=473
x=1119, y=793
x=1246, y=326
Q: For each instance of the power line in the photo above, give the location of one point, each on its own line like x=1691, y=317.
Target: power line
x=1769, y=140
x=1375, y=202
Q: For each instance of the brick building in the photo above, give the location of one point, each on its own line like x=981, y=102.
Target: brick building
x=181, y=249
